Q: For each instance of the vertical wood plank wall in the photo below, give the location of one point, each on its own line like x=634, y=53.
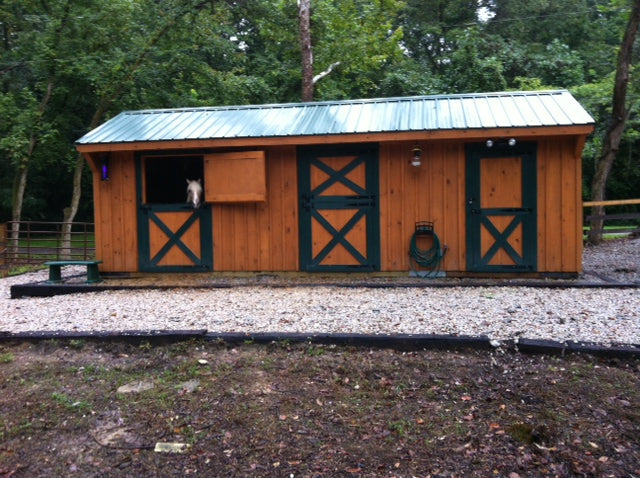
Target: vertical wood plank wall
x=261, y=236
x=559, y=205
x=116, y=213
x=432, y=192
x=436, y=192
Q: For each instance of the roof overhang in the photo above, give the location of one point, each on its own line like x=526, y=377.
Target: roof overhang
x=467, y=135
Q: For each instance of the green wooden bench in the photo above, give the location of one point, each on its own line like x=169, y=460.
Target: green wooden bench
x=55, y=270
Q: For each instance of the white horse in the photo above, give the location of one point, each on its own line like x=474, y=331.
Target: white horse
x=194, y=193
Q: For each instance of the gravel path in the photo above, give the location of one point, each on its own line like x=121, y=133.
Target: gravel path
x=600, y=315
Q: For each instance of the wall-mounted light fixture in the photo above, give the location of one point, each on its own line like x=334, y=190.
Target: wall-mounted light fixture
x=416, y=159
x=501, y=143
x=104, y=167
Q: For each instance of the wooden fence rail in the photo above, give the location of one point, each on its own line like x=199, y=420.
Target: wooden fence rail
x=35, y=242
x=613, y=202
x=631, y=216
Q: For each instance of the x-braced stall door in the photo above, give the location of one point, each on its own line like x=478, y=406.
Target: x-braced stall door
x=501, y=208
x=339, y=208
x=174, y=237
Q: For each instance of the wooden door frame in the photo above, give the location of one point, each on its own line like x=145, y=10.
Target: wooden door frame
x=369, y=200
x=147, y=213
x=476, y=217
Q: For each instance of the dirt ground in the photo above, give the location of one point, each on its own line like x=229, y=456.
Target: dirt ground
x=104, y=409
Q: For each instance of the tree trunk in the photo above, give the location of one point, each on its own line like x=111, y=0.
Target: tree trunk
x=20, y=182
x=19, y=187
x=304, y=19
x=70, y=212
x=619, y=115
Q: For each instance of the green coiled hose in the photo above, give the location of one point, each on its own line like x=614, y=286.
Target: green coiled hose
x=428, y=259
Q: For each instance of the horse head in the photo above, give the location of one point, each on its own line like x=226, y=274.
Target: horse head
x=194, y=193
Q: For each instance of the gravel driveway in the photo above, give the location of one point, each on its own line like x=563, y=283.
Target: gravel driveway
x=600, y=315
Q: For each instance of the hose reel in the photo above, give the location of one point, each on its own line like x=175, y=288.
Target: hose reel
x=426, y=262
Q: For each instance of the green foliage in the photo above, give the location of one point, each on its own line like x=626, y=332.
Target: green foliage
x=70, y=403
x=66, y=66
x=470, y=70
x=559, y=65
x=7, y=357
x=624, y=180
x=18, y=111
x=361, y=36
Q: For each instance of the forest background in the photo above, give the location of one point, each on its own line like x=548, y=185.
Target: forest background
x=67, y=66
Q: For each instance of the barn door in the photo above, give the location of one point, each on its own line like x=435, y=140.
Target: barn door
x=174, y=237
x=339, y=208
x=501, y=208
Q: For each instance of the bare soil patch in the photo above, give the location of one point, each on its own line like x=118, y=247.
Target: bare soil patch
x=98, y=409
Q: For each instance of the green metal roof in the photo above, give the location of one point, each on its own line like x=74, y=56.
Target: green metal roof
x=384, y=115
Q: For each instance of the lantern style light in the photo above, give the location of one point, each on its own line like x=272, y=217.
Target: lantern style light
x=416, y=160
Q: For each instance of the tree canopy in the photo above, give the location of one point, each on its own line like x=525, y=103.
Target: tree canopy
x=68, y=65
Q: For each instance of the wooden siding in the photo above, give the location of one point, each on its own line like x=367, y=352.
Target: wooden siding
x=435, y=191
x=265, y=236
x=432, y=192
x=560, y=205
x=115, y=212
x=261, y=236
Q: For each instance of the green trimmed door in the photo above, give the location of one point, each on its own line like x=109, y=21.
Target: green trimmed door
x=339, y=208
x=173, y=236
x=501, y=208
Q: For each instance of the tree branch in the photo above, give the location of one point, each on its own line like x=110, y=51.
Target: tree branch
x=321, y=75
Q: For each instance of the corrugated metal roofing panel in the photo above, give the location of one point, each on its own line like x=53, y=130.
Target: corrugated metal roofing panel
x=529, y=116
x=514, y=114
x=413, y=118
x=567, y=104
x=458, y=113
x=557, y=112
x=543, y=114
x=472, y=116
x=384, y=115
x=484, y=113
x=441, y=118
x=500, y=116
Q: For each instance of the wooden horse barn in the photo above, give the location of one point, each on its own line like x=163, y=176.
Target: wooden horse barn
x=360, y=186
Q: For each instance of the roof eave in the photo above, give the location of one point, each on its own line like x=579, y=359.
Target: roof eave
x=423, y=135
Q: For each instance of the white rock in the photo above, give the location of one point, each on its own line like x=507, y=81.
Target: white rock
x=602, y=315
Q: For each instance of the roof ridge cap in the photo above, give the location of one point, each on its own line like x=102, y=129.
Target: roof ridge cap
x=315, y=104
